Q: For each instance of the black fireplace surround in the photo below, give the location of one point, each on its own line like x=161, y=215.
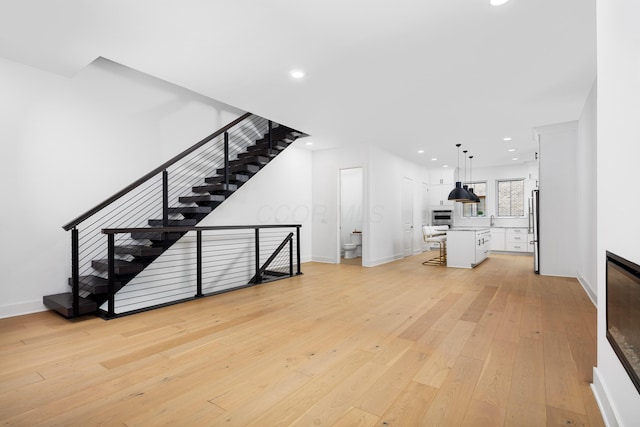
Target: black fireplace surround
x=623, y=313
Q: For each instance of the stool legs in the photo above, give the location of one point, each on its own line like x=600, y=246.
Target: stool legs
x=441, y=259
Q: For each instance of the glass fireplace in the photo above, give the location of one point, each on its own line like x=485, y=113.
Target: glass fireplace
x=623, y=313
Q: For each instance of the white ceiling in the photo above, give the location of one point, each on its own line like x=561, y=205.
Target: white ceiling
x=403, y=74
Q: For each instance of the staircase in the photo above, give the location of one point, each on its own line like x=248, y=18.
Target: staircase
x=230, y=172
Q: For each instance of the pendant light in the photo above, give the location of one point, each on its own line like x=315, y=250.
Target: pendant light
x=474, y=196
x=459, y=194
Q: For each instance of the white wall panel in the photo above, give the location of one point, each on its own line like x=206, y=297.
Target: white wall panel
x=618, y=154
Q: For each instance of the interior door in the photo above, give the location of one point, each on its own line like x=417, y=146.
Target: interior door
x=407, y=216
x=426, y=219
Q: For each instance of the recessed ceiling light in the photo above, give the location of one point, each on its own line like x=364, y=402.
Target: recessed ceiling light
x=434, y=159
x=297, y=74
x=498, y=2
x=308, y=143
x=511, y=150
x=515, y=158
x=445, y=166
x=508, y=138
x=420, y=151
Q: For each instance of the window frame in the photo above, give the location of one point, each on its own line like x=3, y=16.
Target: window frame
x=524, y=210
x=473, y=184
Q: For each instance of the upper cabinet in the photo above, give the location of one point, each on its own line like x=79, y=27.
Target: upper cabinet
x=441, y=185
x=442, y=176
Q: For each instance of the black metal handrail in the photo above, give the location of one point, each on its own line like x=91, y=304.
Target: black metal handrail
x=259, y=270
x=179, y=229
x=153, y=173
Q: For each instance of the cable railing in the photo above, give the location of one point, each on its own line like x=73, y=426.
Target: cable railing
x=205, y=261
x=159, y=199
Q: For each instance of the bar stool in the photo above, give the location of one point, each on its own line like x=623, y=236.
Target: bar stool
x=436, y=234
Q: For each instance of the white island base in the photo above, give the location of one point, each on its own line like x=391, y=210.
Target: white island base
x=467, y=247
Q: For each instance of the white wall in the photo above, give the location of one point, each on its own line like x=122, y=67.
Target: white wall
x=587, y=197
x=558, y=234
x=618, y=157
x=382, y=229
x=325, y=196
x=68, y=144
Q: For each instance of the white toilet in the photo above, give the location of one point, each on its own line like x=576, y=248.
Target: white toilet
x=354, y=248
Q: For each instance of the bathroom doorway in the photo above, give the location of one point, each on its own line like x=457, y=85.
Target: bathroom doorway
x=351, y=215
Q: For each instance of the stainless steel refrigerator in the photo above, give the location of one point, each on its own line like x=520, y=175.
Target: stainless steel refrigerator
x=534, y=227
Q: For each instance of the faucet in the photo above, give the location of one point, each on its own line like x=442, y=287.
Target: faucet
x=492, y=220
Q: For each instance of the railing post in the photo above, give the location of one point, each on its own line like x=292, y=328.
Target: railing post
x=258, y=278
x=290, y=258
x=270, y=135
x=165, y=198
x=75, y=272
x=226, y=160
x=199, y=264
x=111, y=274
x=298, y=248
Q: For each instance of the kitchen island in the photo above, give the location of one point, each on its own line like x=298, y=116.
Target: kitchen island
x=468, y=246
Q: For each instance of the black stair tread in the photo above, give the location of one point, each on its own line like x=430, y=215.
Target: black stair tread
x=202, y=198
x=155, y=236
x=278, y=132
x=173, y=223
x=120, y=266
x=253, y=160
x=245, y=169
x=233, y=178
x=267, y=152
x=190, y=210
x=138, y=250
x=262, y=144
x=95, y=284
x=63, y=304
x=211, y=188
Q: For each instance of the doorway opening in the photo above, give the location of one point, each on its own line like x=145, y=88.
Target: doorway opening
x=351, y=215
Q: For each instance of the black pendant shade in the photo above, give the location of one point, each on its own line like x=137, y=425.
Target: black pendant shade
x=474, y=197
x=459, y=194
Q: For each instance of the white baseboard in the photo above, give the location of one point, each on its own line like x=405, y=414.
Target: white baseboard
x=380, y=261
x=599, y=389
x=324, y=259
x=21, y=308
x=589, y=290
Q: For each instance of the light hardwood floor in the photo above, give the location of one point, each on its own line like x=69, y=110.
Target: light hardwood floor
x=401, y=344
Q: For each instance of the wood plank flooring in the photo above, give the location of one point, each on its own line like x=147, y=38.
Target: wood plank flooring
x=401, y=344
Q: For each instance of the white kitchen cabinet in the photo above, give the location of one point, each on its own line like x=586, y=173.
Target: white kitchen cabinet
x=441, y=176
x=498, y=239
x=467, y=248
x=442, y=182
x=517, y=240
x=440, y=196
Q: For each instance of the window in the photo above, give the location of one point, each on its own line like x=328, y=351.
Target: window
x=476, y=209
x=511, y=197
